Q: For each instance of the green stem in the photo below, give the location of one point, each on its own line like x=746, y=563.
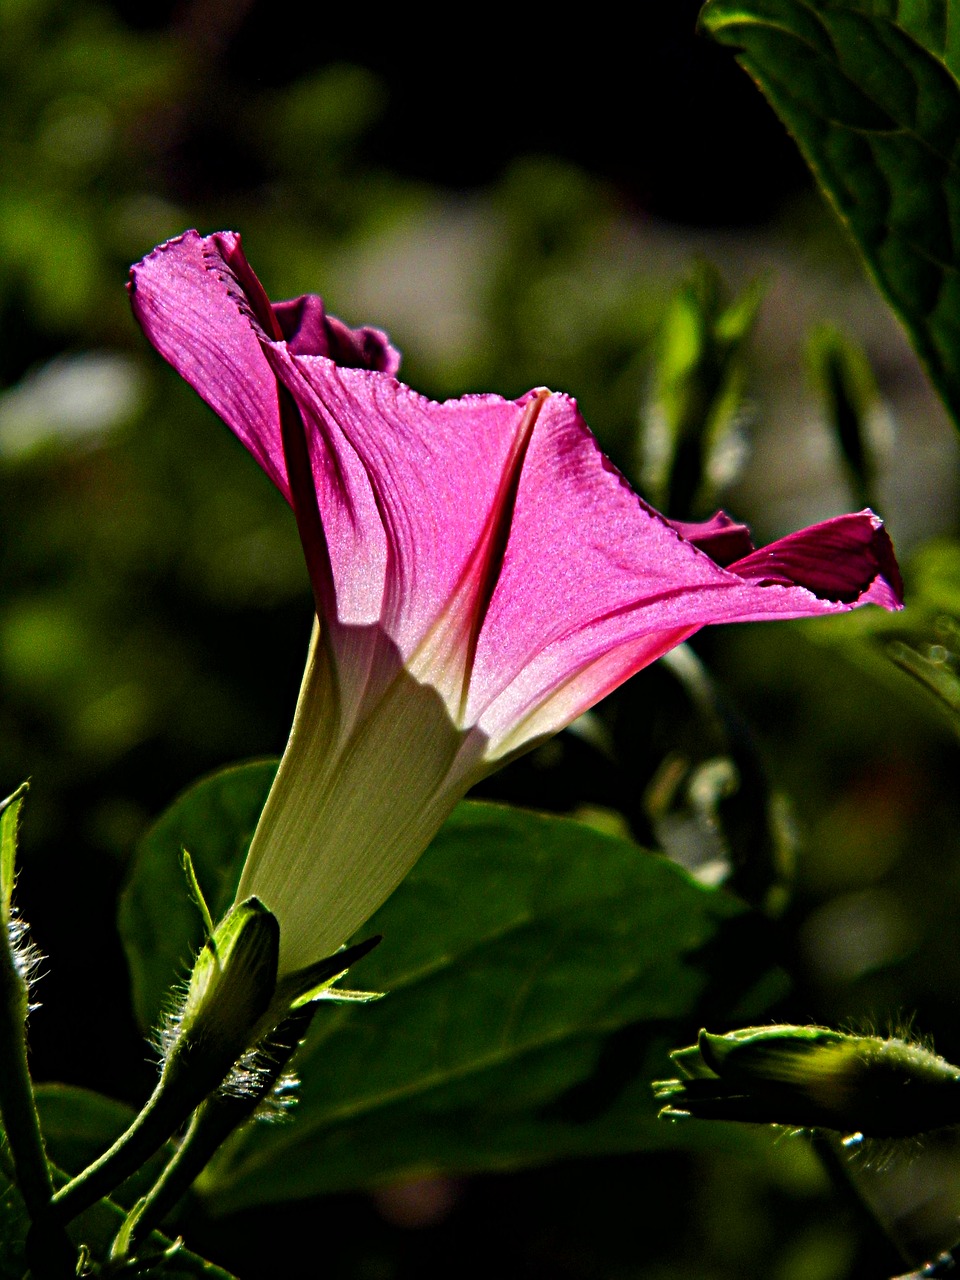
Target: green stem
x=17, y=1104
x=152, y=1127
x=49, y=1251
x=188, y=1078
x=171, y=1104
x=212, y=1123
x=56, y=1256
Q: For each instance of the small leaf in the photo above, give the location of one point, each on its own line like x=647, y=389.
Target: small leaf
x=869, y=90
x=923, y=640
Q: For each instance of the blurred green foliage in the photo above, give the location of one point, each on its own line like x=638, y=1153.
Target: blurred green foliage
x=846, y=385
x=689, y=442
x=154, y=610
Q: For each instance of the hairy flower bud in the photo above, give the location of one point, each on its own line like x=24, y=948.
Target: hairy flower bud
x=231, y=988
x=813, y=1078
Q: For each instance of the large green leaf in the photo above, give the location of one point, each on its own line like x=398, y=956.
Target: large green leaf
x=535, y=970
x=869, y=90
x=160, y=924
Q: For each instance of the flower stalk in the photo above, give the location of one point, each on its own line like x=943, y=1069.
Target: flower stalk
x=255, y=1078
x=212, y=1123
x=231, y=989
x=51, y=1252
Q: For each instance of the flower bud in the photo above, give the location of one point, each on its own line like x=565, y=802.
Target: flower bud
x=230, y=989
x=813, y=1078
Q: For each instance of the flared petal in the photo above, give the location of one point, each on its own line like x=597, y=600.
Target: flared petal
x=595, y=584
x=486, y=542
x=202, y=327
x=203, y=308
x=722, y=538
x=849, y=559
x=309, y=331
x=416, y=499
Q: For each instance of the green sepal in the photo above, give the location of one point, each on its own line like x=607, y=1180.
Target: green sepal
x=774, y=1053
x=339, y=995
x=231, y=988
x=315, y=982
x=196, y=893
x=690, y=1064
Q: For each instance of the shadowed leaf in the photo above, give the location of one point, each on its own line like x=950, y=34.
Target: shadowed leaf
x=869, y=90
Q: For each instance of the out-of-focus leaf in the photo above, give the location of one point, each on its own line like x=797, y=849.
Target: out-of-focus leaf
x=689, y=443
x=936, y=666
x=869, y=90
x=70, y=400
x=710, y=802
x=533, y=967
x=78, y=1124
x=160, y=924
x=14, y=1224
x=850, y=399
x=923, y=640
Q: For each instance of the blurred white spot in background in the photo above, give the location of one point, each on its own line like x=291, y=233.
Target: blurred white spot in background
x=856, y=934
x=73, y=399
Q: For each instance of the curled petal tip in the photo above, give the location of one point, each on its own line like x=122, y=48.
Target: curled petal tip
x=847, y=560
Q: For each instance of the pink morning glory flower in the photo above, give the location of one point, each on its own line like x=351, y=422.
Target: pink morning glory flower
x=482, y=576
